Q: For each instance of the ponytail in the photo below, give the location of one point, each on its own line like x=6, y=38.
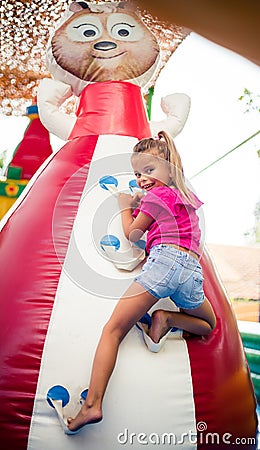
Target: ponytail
x=176, y=167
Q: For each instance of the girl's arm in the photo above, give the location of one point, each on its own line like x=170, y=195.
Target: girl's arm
x=133, y=228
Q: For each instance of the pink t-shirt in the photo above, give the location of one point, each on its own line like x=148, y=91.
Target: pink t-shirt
x=175, y=219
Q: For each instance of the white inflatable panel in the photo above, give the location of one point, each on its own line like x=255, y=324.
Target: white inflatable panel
x=159, y=407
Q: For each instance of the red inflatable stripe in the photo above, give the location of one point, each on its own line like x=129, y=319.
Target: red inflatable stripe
x=100, y=112
x=29, y=257
x=218, y=367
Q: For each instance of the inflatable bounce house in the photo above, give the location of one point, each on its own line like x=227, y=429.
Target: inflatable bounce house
x=250, y=334
x=65, y=263
x=30, y=153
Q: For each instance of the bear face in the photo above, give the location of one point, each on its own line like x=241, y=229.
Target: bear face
x=104, y=46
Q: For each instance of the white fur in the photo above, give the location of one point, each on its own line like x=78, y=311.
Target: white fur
x=103, y=7
x=51, y=95
x=177, y=108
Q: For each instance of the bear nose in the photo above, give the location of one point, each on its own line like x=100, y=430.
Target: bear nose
x=105, y=45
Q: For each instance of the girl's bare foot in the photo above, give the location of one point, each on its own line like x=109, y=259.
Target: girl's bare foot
x=85, y=416
x=160, y=325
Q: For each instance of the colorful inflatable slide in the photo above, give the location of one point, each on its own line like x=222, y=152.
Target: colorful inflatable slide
x=59, y=282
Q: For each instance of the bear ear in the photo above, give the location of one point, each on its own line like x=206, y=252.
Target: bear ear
x=126, y=5
x=78, y=6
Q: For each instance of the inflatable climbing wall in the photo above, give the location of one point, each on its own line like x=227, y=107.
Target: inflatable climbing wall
x=65, y=263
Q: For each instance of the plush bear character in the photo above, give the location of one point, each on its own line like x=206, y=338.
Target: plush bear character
x=100, y=43
x=103, y=44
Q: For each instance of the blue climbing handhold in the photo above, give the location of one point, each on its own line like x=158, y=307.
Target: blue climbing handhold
x=58, y=393
x=141, y=244
x=110, y=240
x=133, y=184
x=108, y=179
x=146, y=318
x=84, y=394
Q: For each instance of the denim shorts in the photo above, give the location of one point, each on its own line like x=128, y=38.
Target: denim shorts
x=169, y=272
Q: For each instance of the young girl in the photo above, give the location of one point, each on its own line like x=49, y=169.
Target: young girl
x=168, y=212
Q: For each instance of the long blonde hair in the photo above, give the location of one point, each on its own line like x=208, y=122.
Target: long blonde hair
x=164, y=146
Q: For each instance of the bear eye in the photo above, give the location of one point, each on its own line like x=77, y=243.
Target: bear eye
x=87, y=31
x=122, y=30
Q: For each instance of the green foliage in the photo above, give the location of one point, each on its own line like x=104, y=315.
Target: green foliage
x=3, y=158
x=257, y=222
x=242, y=299
x=250, y=100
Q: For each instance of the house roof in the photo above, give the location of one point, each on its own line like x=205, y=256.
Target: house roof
x=238, y=268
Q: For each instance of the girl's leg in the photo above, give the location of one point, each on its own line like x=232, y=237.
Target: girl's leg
x=199, y=321
x=131, y=307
